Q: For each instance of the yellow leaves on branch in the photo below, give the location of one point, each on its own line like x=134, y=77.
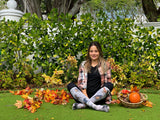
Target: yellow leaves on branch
x=71, y=60
x=47, y=78
x=55, y=78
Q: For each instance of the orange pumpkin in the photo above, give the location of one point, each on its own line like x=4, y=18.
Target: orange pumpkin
x=134, y=97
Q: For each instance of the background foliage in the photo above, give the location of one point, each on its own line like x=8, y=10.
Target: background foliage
x=32, y=44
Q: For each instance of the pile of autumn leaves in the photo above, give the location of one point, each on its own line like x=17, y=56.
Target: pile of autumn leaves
x=40, y=96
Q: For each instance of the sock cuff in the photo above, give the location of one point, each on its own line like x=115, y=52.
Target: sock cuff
x=109, y=85
x=73, y=89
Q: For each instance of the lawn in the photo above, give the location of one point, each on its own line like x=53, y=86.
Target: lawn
x=48, y=111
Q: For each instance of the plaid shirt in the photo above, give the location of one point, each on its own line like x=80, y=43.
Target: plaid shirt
x=82, y=78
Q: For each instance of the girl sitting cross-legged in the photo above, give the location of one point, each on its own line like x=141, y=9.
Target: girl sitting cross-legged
x=94, y=82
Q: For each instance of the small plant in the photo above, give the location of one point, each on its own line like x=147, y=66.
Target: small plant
x=20, y=82
x=70, y=69
x=54, y=79
x=143, y=75
x=118, y=74
x=158, y=84
x=11, y=79
x=25, y=72
x=6, y=78
x=37, y=80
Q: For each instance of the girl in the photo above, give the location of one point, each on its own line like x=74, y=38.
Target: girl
x=94, y=81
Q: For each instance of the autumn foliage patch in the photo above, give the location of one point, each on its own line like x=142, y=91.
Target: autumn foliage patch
x=40, y=96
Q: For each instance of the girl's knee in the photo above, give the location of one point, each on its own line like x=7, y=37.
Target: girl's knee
x=109, y=85
x=70, y=86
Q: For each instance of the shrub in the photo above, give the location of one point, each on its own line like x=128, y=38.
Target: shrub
x=6, y=78
x=143, y=75
x=37, y=80
x=51, y=41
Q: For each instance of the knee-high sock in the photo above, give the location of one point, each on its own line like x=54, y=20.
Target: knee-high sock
x=99, y=95
x=78, y=106
x=78, y=95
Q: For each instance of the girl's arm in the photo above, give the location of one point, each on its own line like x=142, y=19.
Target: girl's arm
x=108, y=72
x=81, y=79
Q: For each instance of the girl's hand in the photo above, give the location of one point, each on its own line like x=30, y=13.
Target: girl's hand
x=109, y=99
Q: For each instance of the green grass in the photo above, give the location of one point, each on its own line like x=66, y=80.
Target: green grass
x=48, y=111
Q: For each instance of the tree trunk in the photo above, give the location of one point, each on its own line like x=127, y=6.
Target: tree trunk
x=63, y=6
x=75, y=9
x=31, y=6
x=20, y=5
x=150, y=10
x=67, y=6
x=48, y=6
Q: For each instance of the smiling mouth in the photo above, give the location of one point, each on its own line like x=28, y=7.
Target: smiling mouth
x=94, y=56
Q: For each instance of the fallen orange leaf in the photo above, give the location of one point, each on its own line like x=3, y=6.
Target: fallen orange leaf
x=118, y=101
x=11, y=92
x=114, y=91
x=24, y=96
x=148, y=104
x=18, y=104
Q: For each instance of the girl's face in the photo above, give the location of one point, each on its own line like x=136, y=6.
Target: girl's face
x=93, y=53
